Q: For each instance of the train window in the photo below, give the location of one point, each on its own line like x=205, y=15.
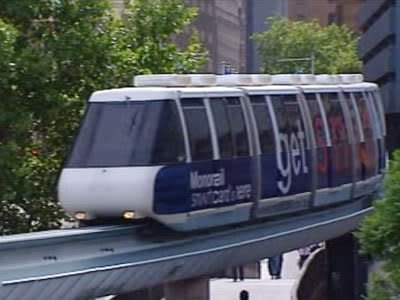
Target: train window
x=335, y=116
x=379, y=108
x=198, y=128
x=264, y=124
x=354, y=117
x=376, y=111
x=169, y=143
x=288, y=114
x=223, y=126
x=366, y=123
x=317, y=120
x=128, y=133
x=239, y=132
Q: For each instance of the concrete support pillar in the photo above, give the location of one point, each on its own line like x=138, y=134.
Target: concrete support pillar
x=189, y=289
x=347, y=271
x=154, y=293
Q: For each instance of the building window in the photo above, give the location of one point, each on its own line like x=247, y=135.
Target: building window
x=331, y=18
x=339, y=14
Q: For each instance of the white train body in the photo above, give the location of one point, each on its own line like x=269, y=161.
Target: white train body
x=197, y=157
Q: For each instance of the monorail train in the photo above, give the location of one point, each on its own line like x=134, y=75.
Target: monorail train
x=197, y=151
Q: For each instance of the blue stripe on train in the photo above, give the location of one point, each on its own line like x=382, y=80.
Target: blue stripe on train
x=295, y=176
x=211, y=184
x=202, y=185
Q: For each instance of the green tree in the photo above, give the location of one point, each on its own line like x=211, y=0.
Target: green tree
x=334, y=47
x=379, y=237
x=13, y=123
x=53, y=55
x=148, y=31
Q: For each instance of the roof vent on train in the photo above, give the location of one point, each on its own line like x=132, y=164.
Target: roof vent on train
x=203, y=79
x=234, y=79
x=161, y=80
x=261, y=79
x=293, y=79
x=305, y=79
x=243, y=79
x=327, y=79
x=178, y=80
x=351, y=78
x=170, y=80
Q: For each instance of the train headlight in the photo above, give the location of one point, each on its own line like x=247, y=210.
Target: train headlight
x=128, y=214
x=80, y=215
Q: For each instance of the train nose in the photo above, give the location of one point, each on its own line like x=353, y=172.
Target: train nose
x=106, y=192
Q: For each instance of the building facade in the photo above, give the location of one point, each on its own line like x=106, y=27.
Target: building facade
x=221, y=25
x=257, y=13
x=226, y=28
x=380, y=52
x=327, y=11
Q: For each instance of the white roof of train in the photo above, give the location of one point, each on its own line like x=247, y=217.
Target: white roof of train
x=233, y=86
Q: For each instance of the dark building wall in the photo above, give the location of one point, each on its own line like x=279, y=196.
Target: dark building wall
x=225, y=28
x=326, y=11
x=257, y=13
x=380, y=52
x=347, y=12
x=222, y=26
x=321, y=10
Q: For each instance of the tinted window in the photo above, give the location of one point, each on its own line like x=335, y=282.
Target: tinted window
x=364, y=115
x=379, y=108
x=317, y=120
x=376, y=114
x=264, y=124
x=354, y=116
x=169, y=143
x=198, y=128
x=223, y=126
x=239, y=132
x=129, y=133
x=288, y=114
x=334, y=114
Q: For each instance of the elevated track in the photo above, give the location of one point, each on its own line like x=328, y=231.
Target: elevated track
x=91, y=262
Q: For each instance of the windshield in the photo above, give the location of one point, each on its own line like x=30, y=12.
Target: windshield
x=130, y=133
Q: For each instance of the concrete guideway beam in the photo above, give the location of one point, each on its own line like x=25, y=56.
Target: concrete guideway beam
x=117, y=260
x=193, y=289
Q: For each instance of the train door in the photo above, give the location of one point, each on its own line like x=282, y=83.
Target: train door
x=180, y=188
x=358, y=136
x=214, y=186
x=340, y=166
x=231, y=131
x=265, y=150
x=369, y=148
x=323, y=144
x=291, y=177
x=377, y=110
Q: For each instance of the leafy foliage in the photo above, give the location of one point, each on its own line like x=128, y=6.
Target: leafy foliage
x=149, y=27
x=53, y=55
x=380, y=236
x=334, y=47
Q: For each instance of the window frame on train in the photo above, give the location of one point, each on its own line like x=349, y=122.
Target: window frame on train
x=320, y=110
x=74, y=162
x=228, y=107
x=206, y=125
x=260, y=101
x=208, y=95
x=377, y=136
